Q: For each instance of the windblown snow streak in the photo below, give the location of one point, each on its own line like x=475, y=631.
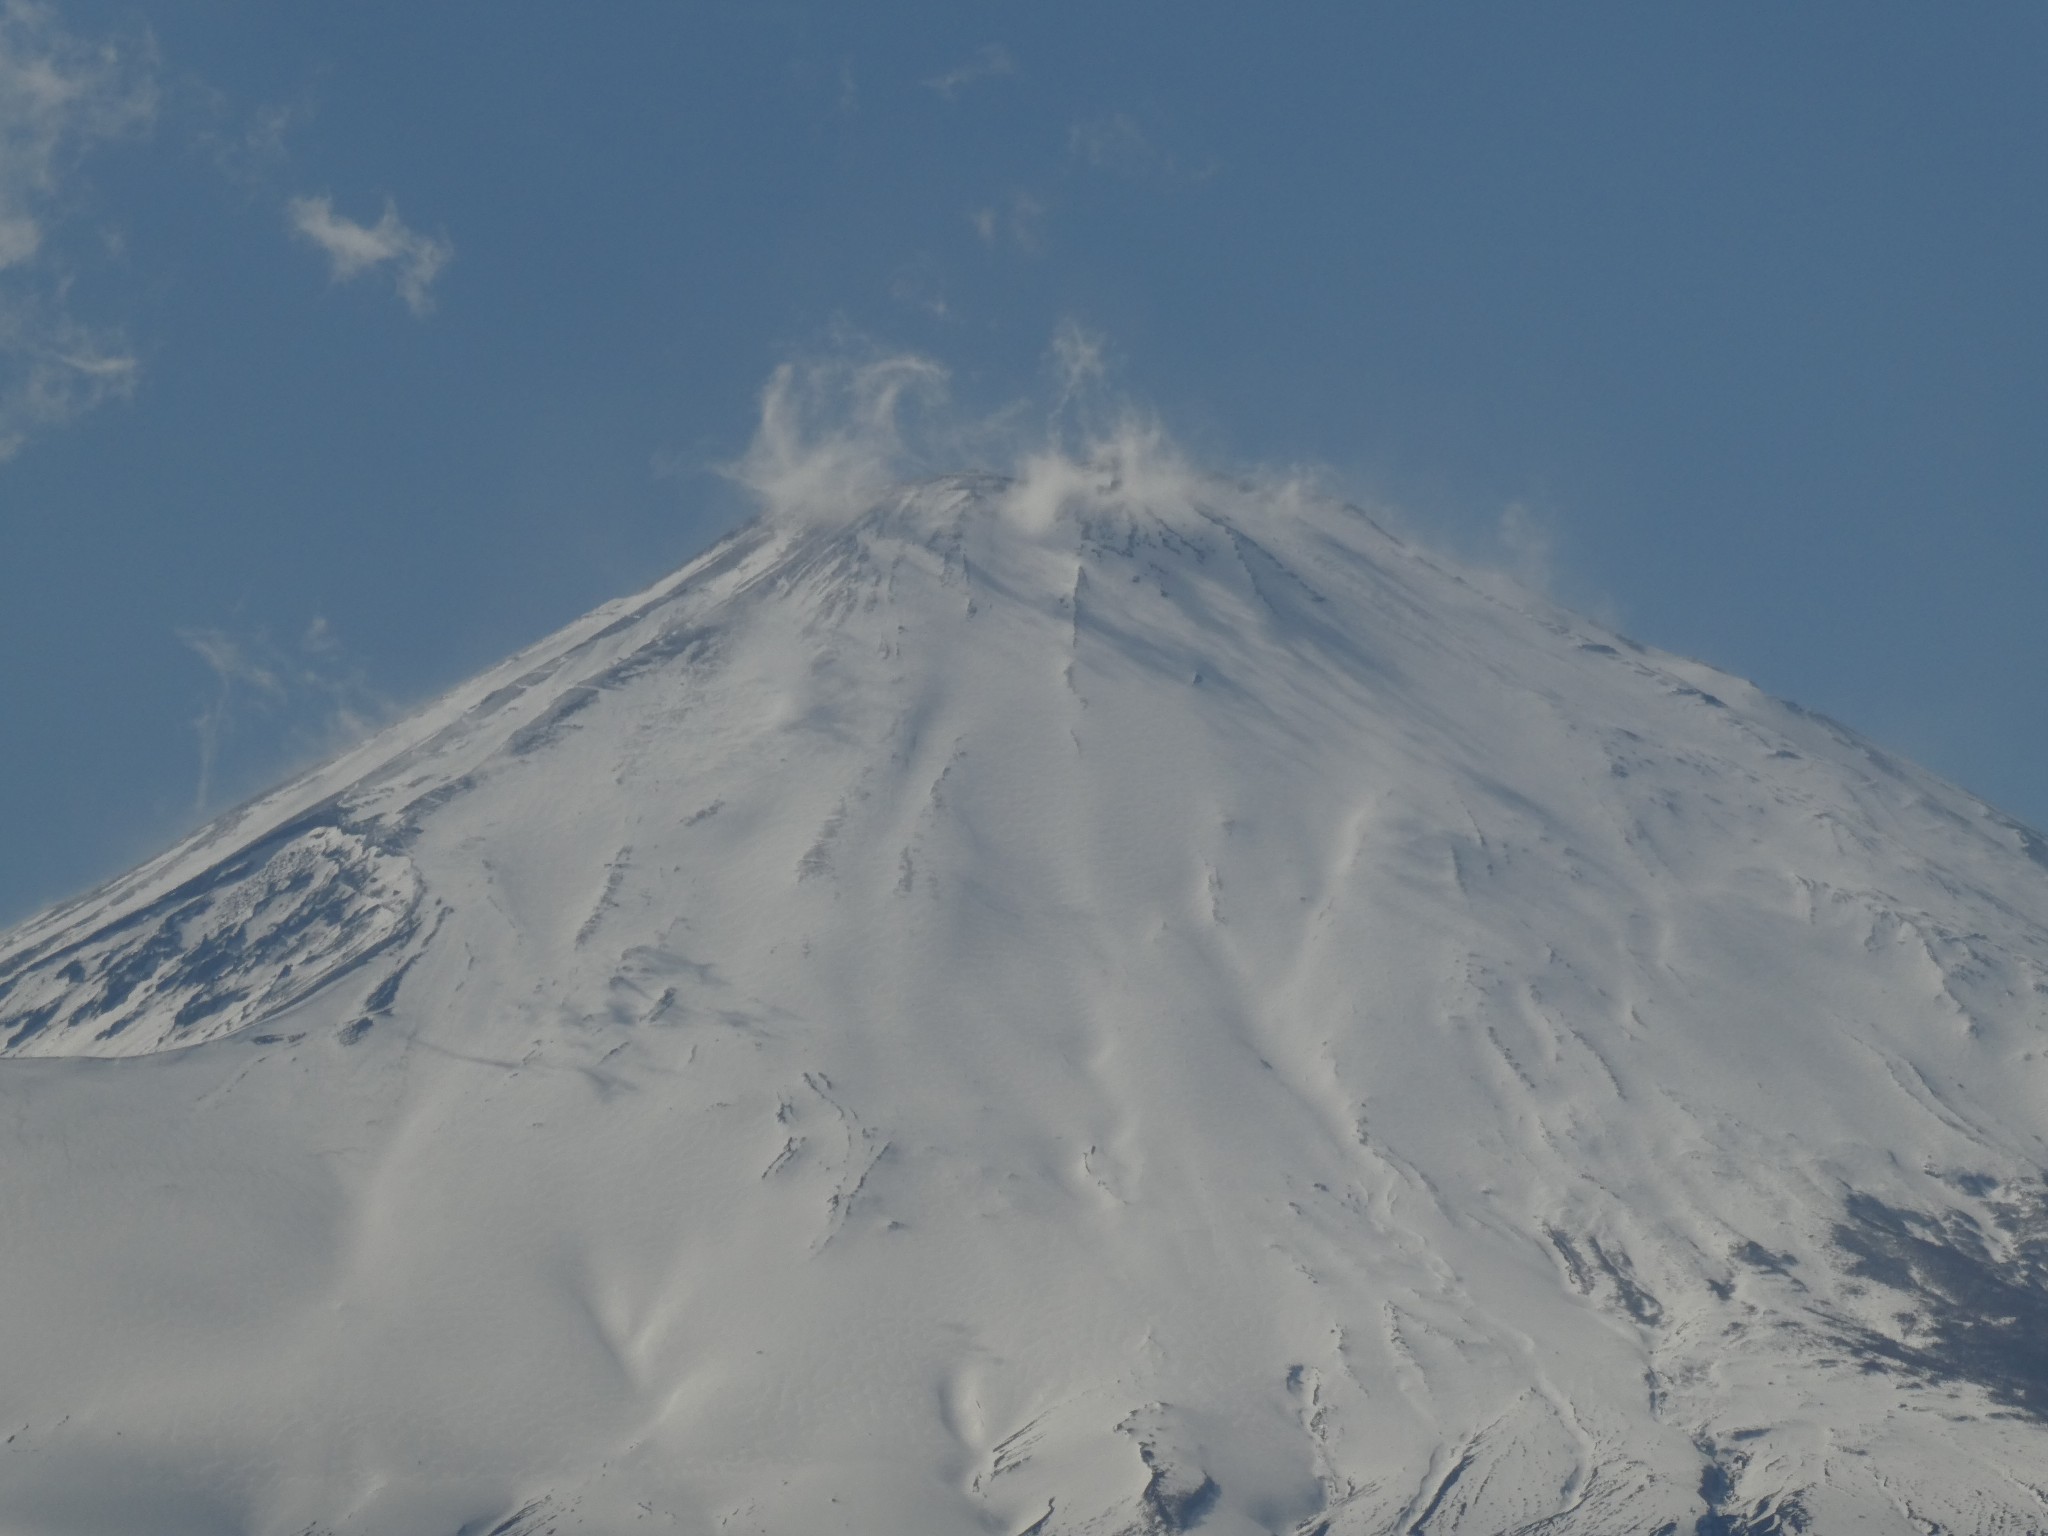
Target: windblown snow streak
x=1107, y=1004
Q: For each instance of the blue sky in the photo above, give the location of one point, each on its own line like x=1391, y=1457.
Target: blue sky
x=344, y=349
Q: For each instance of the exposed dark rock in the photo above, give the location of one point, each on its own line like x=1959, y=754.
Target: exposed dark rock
x=1977, y=1305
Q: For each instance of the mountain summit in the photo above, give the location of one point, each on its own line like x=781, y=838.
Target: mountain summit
x=1101, y=1002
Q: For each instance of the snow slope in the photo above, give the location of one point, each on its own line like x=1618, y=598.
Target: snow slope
x=1098, y=1003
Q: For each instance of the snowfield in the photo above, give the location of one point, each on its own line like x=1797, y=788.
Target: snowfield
x=1113, y=1004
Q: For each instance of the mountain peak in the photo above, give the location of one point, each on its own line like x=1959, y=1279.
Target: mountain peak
x=1098, y=1000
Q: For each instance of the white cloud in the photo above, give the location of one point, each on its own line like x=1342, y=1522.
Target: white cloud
x=831, y=435
x=836, y=432
x=1078, y=358
x=251, y=149
x=990, y=63
x=1115, y=144
x=413, y=259
x=53, y=368
x=60, y=96
x=1118, y=145
x=839, y=430
x=1023, y=222
x=921, y=286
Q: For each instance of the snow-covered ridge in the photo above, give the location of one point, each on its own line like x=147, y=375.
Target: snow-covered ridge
x=330, y=827
x=258, y=936
x=1080, y=1003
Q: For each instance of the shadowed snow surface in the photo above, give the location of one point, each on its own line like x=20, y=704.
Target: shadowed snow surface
x=1119, y=1016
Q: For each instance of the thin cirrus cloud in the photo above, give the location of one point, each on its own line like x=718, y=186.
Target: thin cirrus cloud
x=991, y=63
x=1021, y=221
x=1118, y=145
x=1115, y=144
x=60, y=97
x=412, y=260
x=312, y=682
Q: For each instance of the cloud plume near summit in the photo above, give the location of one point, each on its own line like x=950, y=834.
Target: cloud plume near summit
x=840, y=427
x=837, y=431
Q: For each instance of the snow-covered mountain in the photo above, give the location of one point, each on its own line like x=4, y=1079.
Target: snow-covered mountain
x=1100, y=1003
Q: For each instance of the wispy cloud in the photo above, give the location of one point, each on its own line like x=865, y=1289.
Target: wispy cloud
x=1528, y=540
x=60, y=96
x=1116, y=144
x=837, y=432
x=840, y=429
x=253, y=676
x=1020, y=221
x=54, y=367
x=832, y=434
x=1079, y=359
x=920, y=285
x=1119, y=145
x=251, y=150
x=412, y=259
x=991, y=63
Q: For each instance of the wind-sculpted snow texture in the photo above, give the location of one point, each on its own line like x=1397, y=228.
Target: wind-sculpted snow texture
x=1180, y=1013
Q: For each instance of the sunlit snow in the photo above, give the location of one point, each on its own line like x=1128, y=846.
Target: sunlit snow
x=1106, y=1001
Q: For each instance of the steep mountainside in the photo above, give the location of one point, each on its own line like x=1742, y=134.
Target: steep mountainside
x=1116, y=1005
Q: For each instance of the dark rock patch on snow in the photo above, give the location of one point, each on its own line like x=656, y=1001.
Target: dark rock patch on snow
x=1976, y=1290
